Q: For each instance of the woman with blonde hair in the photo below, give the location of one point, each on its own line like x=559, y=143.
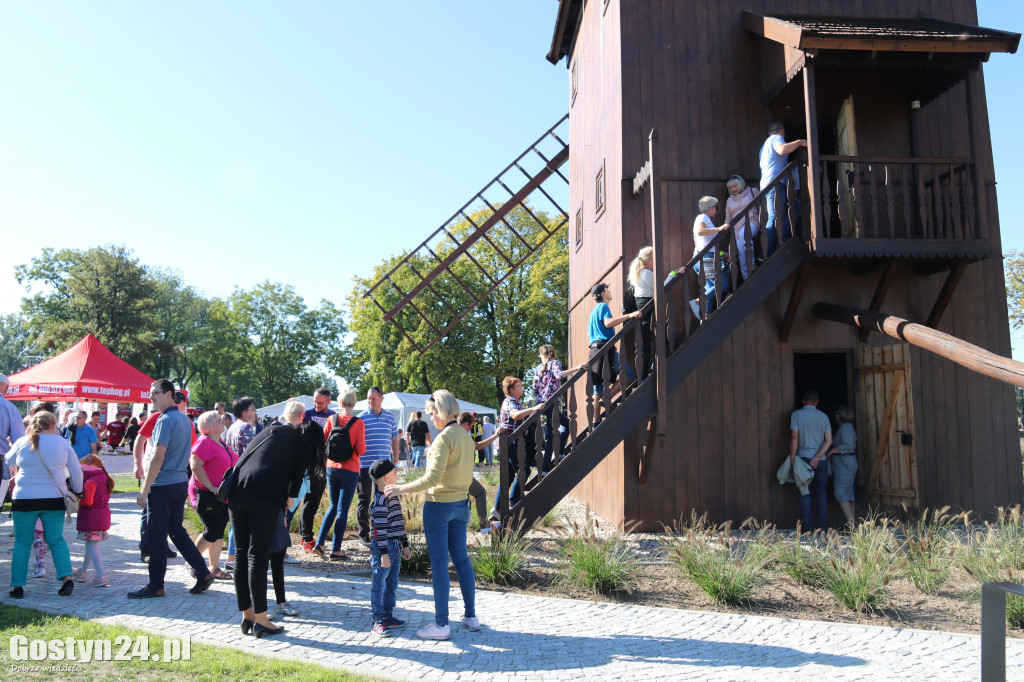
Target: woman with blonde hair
x=641, y=277
x=446, y=512
x=44, y=461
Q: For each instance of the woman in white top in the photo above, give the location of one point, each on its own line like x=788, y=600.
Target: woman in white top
x=641, y=277
x=704, y=231
x=739, y=196
x=44, y=461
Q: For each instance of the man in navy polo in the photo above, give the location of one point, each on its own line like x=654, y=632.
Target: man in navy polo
x=381, y=443
x=164, y=491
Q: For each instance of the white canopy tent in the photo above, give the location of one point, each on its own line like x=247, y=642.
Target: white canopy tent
x=402, y=405
x=277, y=409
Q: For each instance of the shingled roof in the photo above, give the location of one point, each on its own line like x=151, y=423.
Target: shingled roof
x=917, y=34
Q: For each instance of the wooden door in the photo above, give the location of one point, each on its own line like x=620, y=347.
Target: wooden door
x=846, y=145
x=888, y=461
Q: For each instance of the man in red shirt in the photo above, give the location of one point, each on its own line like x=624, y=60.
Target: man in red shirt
x=115, y=431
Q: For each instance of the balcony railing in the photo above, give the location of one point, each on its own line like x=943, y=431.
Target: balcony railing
x=885, y=198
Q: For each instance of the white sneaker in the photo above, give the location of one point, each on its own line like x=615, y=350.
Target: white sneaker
x=471, y=624
x=39, y=573
x=433, y=632
x=285, y=609
x=289, y=559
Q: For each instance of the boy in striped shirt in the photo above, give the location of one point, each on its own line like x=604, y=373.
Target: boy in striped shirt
x=389, y=545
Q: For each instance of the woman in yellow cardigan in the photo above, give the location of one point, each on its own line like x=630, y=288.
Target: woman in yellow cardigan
x=446, y=512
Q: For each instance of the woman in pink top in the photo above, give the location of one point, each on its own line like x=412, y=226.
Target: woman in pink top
x=739, y=196
x=210, y=459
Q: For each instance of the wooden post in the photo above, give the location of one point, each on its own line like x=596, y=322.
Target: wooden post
x=959, y=351
x=812, y=191
x=981, y=228
x=659, y=344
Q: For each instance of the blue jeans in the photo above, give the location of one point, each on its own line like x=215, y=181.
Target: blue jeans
x=385, y=580
x=341, y=487
x=166, y=504
x=444, y=525
x=231, y=539
x=816, y=497
x=417, y=455
x=25, y=535
x=773, y=237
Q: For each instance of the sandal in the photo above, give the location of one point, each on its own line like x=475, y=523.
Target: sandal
x=222, y=575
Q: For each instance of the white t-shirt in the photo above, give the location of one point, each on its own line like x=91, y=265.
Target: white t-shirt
x=644, y=287
x=699, y=242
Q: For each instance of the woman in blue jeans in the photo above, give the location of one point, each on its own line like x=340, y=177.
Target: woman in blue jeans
x=44, y=460
x=342, y=478
x=446, y=512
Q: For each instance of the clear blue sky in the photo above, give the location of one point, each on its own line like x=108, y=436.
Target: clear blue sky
x=296, y=142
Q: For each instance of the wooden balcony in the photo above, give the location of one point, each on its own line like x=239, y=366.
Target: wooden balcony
x=924, y=208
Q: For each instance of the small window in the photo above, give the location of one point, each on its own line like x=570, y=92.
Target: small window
x=579, y=228
x=575, y=84
x=599, y=193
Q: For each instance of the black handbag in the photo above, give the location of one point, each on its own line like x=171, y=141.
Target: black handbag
x=230, y=480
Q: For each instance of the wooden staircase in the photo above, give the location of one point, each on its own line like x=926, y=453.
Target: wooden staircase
x=535, y=176
x=688, y=343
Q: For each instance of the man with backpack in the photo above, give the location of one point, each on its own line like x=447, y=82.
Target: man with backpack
x=345, y=435
x=319, y=413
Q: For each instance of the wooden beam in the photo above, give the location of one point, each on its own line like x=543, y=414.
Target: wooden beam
x=961, y=352
x=875, y=369
x=659, y=343
x=773, y=29
x=812, y=187
x=881, y=291
x=794, y=303
x=945, y=294
x=891, y=492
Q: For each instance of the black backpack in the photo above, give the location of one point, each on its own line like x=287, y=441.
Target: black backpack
x=339, y=445
x=629, y=300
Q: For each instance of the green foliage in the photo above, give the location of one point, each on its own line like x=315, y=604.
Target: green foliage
x=265, y=342
x=721, y=565
x=798, y=560
x=419, y=562
x=994, y=554
x=1013, y=265
x=17, y=348
x=498, y=338
x=602, y=565
x=928, y=549
x=858, y=570
x=501, y=560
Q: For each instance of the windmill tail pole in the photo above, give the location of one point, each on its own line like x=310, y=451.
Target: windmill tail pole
x=959, y=351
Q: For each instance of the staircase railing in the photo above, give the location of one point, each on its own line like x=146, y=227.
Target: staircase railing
x=583, y=415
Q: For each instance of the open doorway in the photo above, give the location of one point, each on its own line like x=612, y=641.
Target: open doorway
x=829, y=375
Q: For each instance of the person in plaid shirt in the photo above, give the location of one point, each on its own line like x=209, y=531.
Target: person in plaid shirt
x=512, y=415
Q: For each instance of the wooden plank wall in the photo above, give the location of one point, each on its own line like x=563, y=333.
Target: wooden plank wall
x=690, y=70
x=595, y=122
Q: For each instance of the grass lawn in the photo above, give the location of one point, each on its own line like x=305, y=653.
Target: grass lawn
x=208, y=662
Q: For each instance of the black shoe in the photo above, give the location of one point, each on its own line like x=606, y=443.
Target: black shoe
x=145, y=593
x=67, y=588
x=202, y=584
x=247, y=626
x=260, y=630
x=171, y=554
x=364, y=540
x=17, y=592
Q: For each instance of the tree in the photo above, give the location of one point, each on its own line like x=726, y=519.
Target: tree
x=1014, y=273
x=498, y=338
x=104, y=291
x=17, y=349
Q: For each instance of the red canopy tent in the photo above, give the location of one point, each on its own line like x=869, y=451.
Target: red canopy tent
x=87, y=371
